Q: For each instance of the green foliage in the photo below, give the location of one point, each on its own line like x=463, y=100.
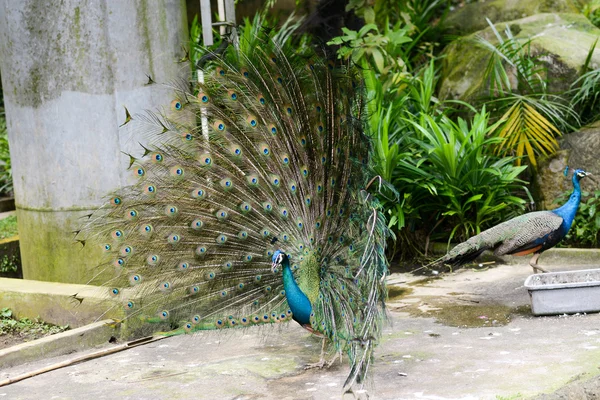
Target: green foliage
x=8, y=227
x=592, y=11
x=455, y=179
x=531, y=119
x=585, y=98
x=6, y=183
x=26, y=328
x=585, y=231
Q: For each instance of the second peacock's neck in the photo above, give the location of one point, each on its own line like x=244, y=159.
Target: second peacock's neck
x=297, y=300
x=568, y=210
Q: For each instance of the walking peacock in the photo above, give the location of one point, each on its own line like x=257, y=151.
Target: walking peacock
x=531, y=233
x=251, y=206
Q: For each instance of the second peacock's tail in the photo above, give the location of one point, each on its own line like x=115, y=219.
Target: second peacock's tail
x=268, y=153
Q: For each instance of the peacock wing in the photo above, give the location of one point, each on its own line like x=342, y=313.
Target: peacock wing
x=528, y=231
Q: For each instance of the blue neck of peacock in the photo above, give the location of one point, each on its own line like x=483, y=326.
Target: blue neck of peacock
x=568, y=210
x=297, y=300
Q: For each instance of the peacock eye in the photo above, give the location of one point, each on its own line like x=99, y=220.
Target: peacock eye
x=204, y=98
x=140, y=172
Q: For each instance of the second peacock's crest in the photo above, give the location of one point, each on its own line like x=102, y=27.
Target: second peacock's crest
x=268, y=153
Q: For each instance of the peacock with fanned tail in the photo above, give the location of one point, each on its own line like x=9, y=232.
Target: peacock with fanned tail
x=251, y=206
x=528, y=234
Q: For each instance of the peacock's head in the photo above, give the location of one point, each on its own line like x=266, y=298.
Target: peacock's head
x=579, y=173
x=279, y=258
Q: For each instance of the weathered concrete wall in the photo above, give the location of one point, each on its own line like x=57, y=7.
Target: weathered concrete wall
x=68, y=68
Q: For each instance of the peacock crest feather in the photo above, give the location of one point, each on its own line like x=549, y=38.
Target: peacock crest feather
x=266, y=157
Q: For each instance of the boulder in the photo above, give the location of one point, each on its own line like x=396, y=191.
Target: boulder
x=577, y=150
x=471, y=17
x=562, y=41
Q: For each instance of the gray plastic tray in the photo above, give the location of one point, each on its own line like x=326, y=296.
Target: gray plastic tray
x=564, y=292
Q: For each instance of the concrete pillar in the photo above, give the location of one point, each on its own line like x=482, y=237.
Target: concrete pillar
x=68, y=68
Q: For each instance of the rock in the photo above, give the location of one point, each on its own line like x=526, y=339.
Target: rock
x=577, y=150
x=562, y=40
x=471, y=17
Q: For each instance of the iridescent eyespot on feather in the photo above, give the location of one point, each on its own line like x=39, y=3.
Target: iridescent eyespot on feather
x=267, y=289
x=285, y=159
x=273, y=129
x=223, y=293
x=302, y=141
x=219, y=125
x=199, y=193
x=106, y=247
x=114, y=292
x=304, y=171
x=232, y=95
x=177, y=171
x=164, y=286
x=163, y=314
x=293, y=187
x=267, y=206
x=116, y=201
x=171, y=211
x=245, y=207
x=257, y=278
x=252, y=121
x=226, y=183
x=265, y=318
x=261, y=99
x=126, y=251
x=283, y=212
x=129, y=305
x=135, y=279
x=194, y=290
x=219, y=323
x=299, y=223
x=243, y=235
x=318, y=225
x=320, y=128
x=319, y=188
x=288, y=109
x=285, y=237
x=219, y=71
x=221, y=239
x=311, y=239
x=176, y=105
x=221, y=215
x=152, y=259
x=119, y=262
x=117, y=234
x=301, y=246
x=244, y=321
x=256, y=319
x=227, y=265
x=318, y=108
x=131, y=215
x=206, y=160
x=174, y=238
x=235, y=150
x=196, y=319
x=203, y=97
x=252, y=180
x=275, y=181
x=279, y=79
x=248, y=258
x=307, y=201
x=323, y=160
x=264, y=149
x=332, y=182
x=187, y=326
x=244, y=72
x=150, y=189
x=201, y=251
x=197, y=224
x=265, y=233
x=157, y=157
x=232, y=322
x=140, y=171
x=146, y=229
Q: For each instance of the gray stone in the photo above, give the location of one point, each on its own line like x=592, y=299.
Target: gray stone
x=578, y=150
x=471, y=17
x=562, y=40
x=67, y=71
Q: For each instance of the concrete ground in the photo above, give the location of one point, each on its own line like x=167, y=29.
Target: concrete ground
x=467, y=335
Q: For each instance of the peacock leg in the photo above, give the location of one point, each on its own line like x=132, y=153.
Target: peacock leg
x=322, y=363
x=533, y=264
